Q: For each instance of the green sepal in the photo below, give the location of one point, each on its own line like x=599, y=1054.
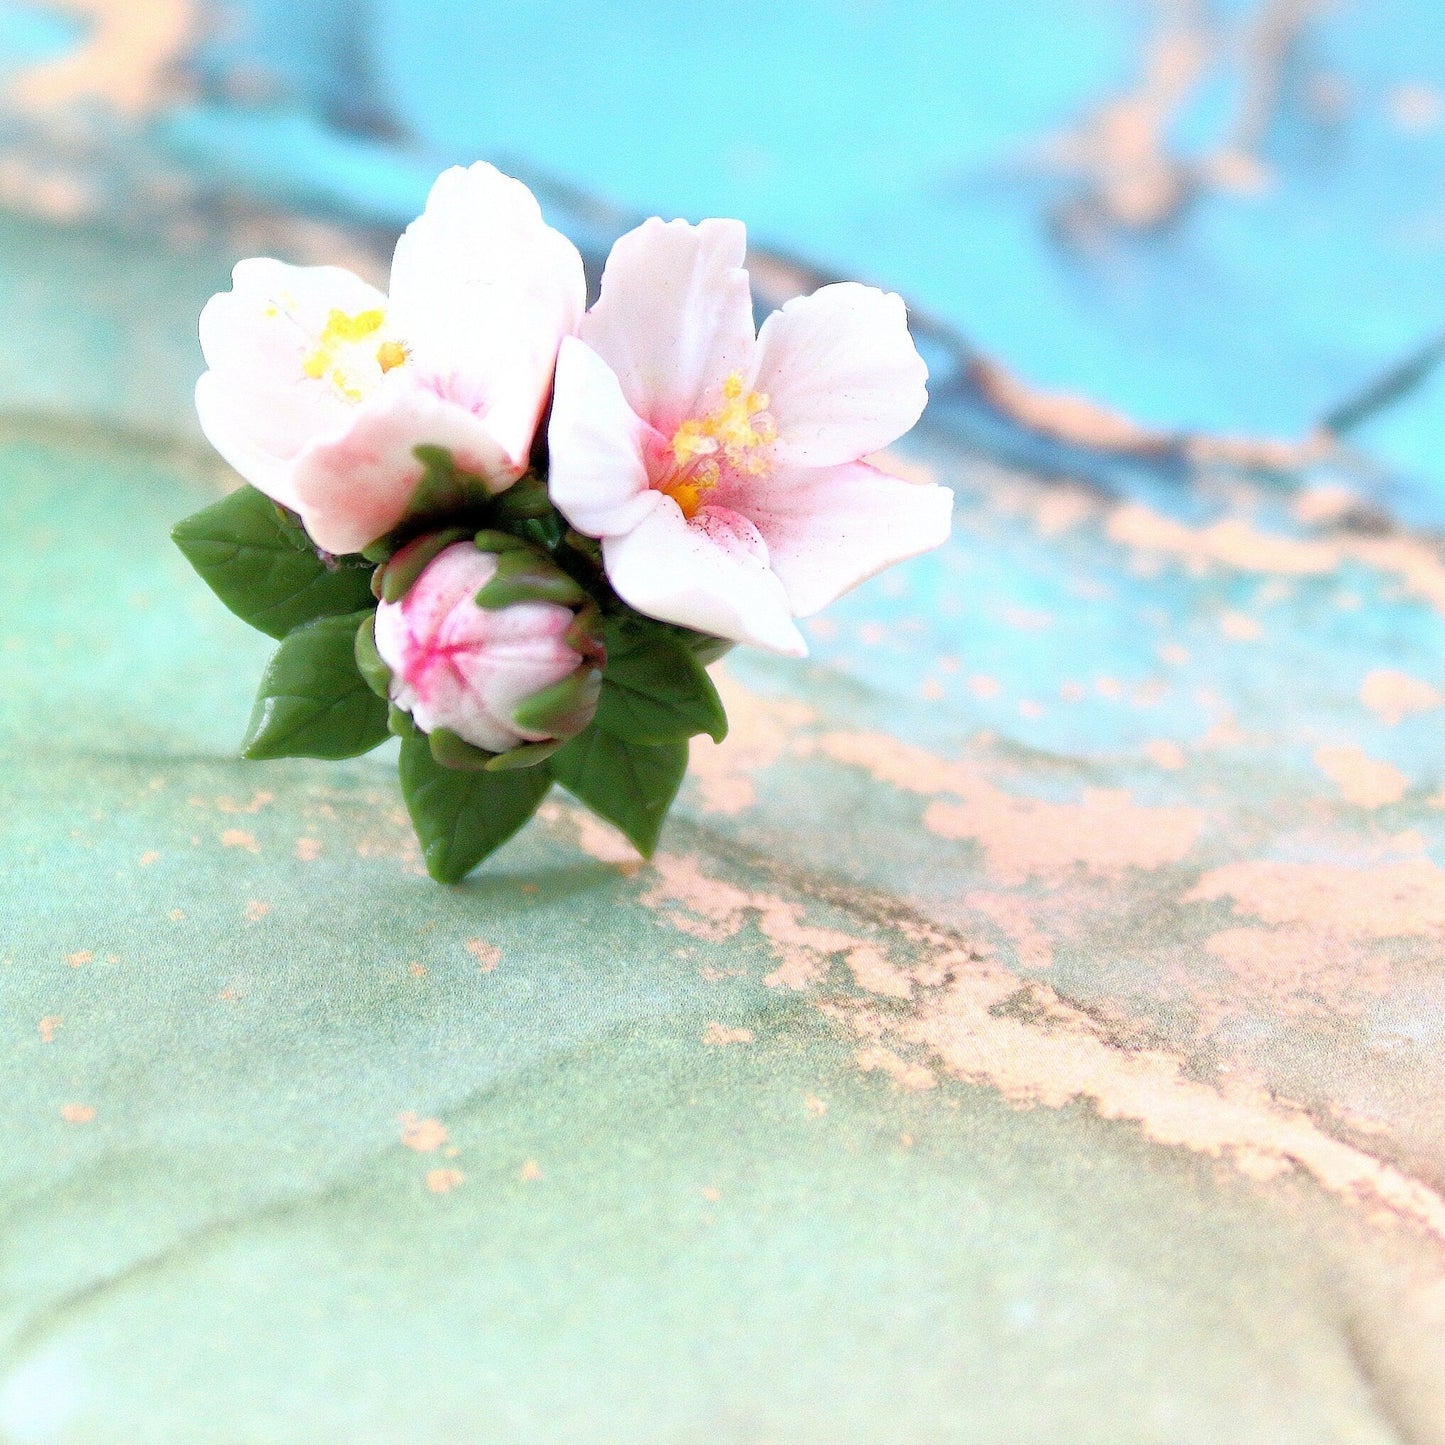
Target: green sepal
x=262, y=566
x=451, y=751
x=525, y=499
x=412, y=560
x=525, y=575
x=564, y=708
x=589, y=547
x=461, y=817
x=444, y=489
x=369, y=661
x=442, y=494
x=490, y=540
x=587, y=633
x=313, y=702
x=526, y=510
x=544, y=532
x=629, y=784
x=654, y=689
x=399, y=722
x=524, y=755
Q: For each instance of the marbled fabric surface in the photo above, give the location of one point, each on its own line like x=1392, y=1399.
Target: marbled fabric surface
x=1030, y=1029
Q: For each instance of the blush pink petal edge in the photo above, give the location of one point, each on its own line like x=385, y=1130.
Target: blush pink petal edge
x=480, y=260
x=842, y=379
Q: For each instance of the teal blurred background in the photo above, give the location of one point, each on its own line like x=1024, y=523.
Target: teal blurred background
x=1167, y=206
x=1033, y=1028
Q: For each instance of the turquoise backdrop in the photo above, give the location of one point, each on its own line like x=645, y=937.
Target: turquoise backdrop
x=1031, y=1028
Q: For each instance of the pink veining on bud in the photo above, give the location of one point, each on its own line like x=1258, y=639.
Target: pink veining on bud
x=467, y=668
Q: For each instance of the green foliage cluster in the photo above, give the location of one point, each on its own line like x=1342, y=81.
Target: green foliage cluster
x=324, y=692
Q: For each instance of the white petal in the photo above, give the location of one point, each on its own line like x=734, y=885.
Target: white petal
x=352, y=489
x=223, y=420
x=482, y=291
x=256, y=339
x=828, y=529
x=841, y=372
x=675, y=316
x=597, y=475
x=710, y=574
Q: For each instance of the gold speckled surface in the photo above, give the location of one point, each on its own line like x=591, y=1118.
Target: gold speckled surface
x=1029, y=1028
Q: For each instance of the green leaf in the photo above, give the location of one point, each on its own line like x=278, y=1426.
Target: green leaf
x=261, y=565
x=461, y=817
x=313, y=701
x=707, y=649
x=655, y=691
x=630, y=784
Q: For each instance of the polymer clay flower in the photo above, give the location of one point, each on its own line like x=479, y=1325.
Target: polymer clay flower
x=496, y=673
x=320, y=388
x=433, y=590
x=721, y=469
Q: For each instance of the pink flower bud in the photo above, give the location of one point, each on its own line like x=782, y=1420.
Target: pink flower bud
x=466, y=668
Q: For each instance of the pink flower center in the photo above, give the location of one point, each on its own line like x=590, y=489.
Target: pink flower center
x=737, y=435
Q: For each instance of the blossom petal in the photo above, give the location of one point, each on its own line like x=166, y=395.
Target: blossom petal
x=354, y=488
x=675, y=316
x=482, y=291
x=828, y=529
x=224, y=419
x=710, y=573
x=841, y=372
x=258, y=406
x=597, y=472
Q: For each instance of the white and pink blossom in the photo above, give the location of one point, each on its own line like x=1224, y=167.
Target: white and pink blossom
x=722, y=469
x=320, y=387
x=466, y=668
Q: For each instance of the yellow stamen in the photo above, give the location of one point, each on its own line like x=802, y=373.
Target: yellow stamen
x=737, y=432
x=341, y=327
x=334, y=357
x=689, y=488
x=343, y=384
